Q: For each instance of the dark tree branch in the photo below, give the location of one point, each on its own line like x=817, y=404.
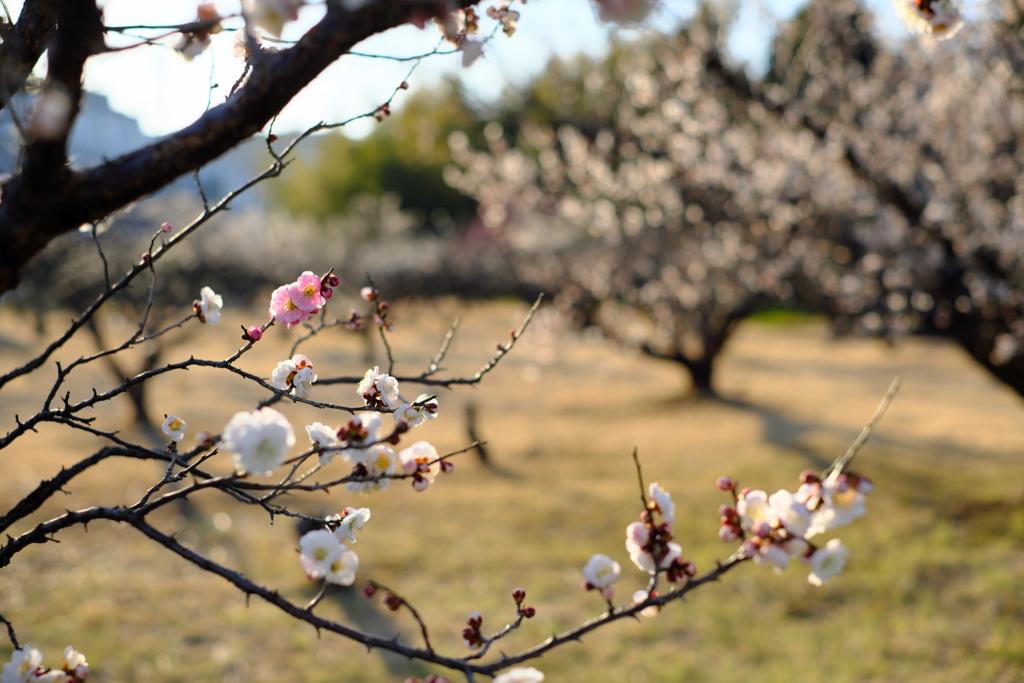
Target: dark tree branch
x=22, y=48
x=33, y=213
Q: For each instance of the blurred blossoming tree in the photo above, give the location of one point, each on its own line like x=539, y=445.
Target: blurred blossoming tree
x=256, y=460
x=665, y=195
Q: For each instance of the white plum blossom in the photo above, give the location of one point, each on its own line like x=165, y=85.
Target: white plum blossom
x=174, y=428
x=271, y=15
x=321, y=435
x=601, y=572
x=380, y=460
x=637, y=536
x=796, y=547
x=663, y=502
x=649, y=611
x=940, y=19
x=296, y=374
x=324, y=438
x=343, y=570
x=350, y=521
x=319, y=550
x=358, y=434
x=420, y=459
x=827, y=562
x=259, y=439
x=773, y=556
x=74, y=662
x=413, y=414
x=753, y=508
x=210, y=304
x=522, y=674
x=22, y=666
x=841, y=503
x=791, y=512
x=378, y=389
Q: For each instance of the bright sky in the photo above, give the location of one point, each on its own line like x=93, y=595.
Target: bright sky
x=164, y=92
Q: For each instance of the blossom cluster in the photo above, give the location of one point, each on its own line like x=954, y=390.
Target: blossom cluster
x=26, y=666
x=649, y=542
x=361, y=443
x=295, y=302
x=323, y=553
x=778, y=527
x=650, y=547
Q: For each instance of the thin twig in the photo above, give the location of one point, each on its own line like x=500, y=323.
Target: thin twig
x=836, y=468
x=10, y=627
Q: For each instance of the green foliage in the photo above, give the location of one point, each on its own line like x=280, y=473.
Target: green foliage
x=405, y=156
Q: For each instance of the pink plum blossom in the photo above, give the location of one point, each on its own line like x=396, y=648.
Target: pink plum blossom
x=306, y=292
x=284, y=310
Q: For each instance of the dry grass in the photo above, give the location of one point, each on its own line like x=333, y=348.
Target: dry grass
x=932, y=591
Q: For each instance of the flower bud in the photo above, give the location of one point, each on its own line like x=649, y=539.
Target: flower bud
x=392, y=602
x=725, y=484
x=809, y=477
x=369, y=590
x=253, y=334
x=166, y=227
x=332, y=281
x=447, y=467
x=369, y=293
x=519, y=594
x=475, y=620
x=528, y=612
x=326, y=292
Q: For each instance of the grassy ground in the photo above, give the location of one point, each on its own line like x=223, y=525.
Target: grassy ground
x=933, y=590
